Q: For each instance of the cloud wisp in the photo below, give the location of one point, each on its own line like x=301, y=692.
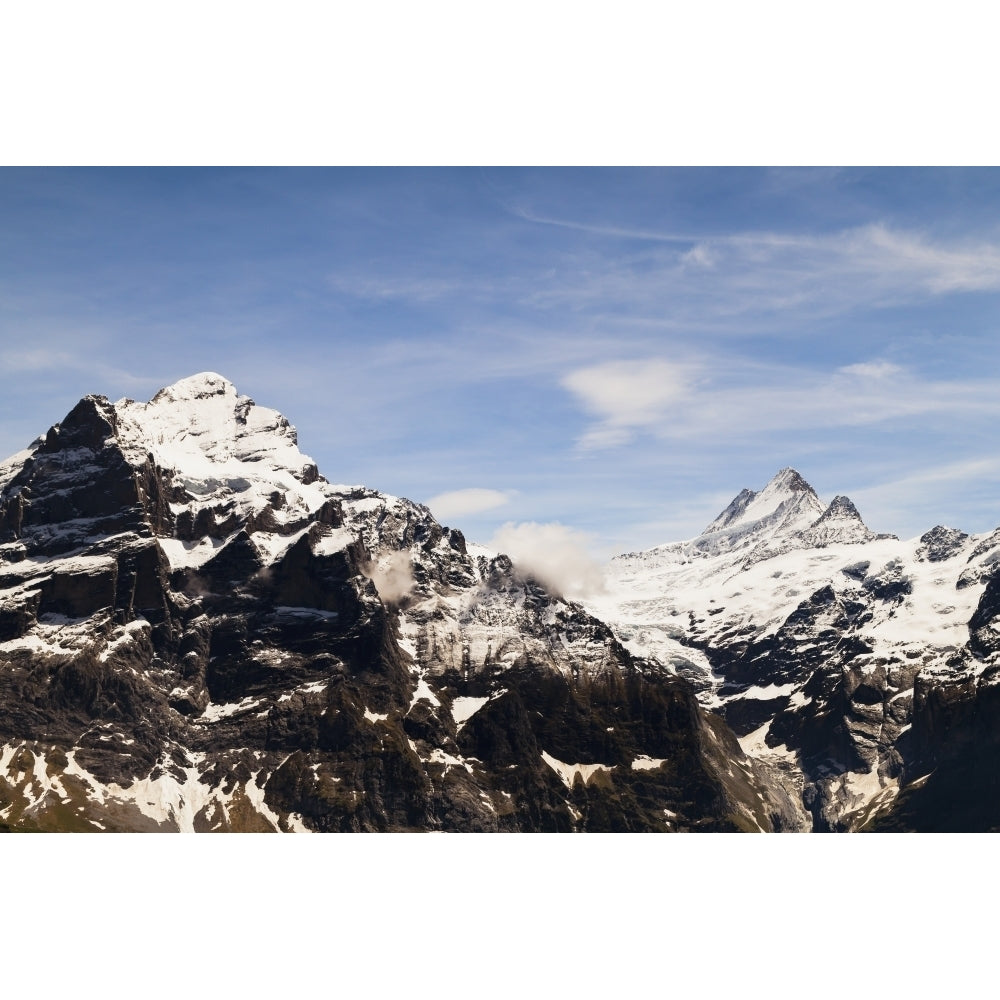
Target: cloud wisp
x=706, y=400
x=553, y=554
x=628, y=395
x=461, y=503
x=724, y=281
x=393, y=577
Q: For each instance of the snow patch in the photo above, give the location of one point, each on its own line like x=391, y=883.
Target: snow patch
x=645, y=763
x=465, y=707
x=214, y=712
x=569, y=771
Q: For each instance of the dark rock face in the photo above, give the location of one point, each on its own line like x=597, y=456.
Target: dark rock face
x=984, y=626
x=954, y=769
x=954, y=774
x=941, y=543
x=927, y=723
x=233, y=644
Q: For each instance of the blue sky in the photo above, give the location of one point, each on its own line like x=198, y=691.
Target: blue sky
x=615, y=351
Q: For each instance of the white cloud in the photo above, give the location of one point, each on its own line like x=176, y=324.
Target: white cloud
x=627, y=395
x=555, y=555
x=459, y=503
x=957, y=268
x=722, y=282
x=733, y=400
x=700, y=255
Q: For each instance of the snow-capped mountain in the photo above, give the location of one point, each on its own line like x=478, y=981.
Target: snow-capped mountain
x=786, y=504
x=200, y=632
x=833, y=652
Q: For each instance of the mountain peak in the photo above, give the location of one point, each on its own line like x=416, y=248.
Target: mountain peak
x=86, y=425
x=200, y=386
x=840, y=523
x=203, y=426
x=786, y=503
x=841, y=508
x=787, y=480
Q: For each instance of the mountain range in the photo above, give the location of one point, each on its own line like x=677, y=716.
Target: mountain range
x=198, y=631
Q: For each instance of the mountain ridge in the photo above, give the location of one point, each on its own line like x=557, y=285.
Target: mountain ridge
x=822, y=646
x=200, y=632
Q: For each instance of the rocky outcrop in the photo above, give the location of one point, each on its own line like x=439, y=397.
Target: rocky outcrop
x=941, y=543
x=840, y=523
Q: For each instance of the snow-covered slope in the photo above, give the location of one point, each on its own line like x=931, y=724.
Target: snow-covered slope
x=808, y=632
x=221, y=446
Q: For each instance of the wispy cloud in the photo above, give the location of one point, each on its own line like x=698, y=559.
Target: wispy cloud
x=711, y=400
x=598, y=229
x=28, y=360
x=727, y=282
x=941, y=266
x=976, y=468
x=706, y=281
x=413, y=289
x=627, y=396
x=954, y=492
x=872, y=369
x=461, y=503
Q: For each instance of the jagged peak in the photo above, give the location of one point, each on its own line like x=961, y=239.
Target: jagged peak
x=840, y=523
x=941, y=542
x=784, y=502
x=841, y=508
x=88, y=424
x=942, y=531
x=788, y=480
x=732, y=513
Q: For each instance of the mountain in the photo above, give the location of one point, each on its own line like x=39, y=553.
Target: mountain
x=198, y=631
x=861, y=667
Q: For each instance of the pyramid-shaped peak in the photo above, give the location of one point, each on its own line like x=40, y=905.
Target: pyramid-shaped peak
x=786, y=504
x=840, y=524
x=787, y=480
x=202, y=426
x=841, y=509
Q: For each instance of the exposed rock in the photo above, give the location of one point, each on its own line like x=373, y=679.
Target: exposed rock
x=199, y=632
x=941, y=543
